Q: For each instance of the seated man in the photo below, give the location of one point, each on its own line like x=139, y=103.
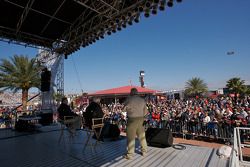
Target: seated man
x=94, y=110
x=64, y=110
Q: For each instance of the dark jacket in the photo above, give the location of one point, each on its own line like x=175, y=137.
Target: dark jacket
x=64, y=110
x=93, y=110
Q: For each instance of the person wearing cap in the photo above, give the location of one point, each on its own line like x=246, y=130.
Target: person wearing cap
x=136, y=109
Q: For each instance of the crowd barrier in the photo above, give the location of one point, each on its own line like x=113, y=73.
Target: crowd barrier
x=214, y=130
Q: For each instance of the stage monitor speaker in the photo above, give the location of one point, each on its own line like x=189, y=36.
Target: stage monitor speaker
x=111, y=131
x=159, y=137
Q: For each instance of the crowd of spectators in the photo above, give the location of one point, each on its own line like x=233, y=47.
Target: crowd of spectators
x=196, y=116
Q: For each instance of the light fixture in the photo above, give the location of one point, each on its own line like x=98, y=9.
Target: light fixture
x=109, y=32
x=131, y=18
x=119, y=27
x=114, y=29
x=140, y=8
x=162, y=5
x=147, y=9
x=155, y=6
x=102, y=36
x=124, y=24
x=170, y=3
x=137, y=18
x=130, y=21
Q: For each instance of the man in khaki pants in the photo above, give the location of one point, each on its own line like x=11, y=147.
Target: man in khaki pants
x=136, y=109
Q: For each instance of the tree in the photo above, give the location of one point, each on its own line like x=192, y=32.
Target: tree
x=19, y=73
x=195, y=87
x=236, y=86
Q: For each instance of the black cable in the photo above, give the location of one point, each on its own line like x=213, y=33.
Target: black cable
x=179, y=147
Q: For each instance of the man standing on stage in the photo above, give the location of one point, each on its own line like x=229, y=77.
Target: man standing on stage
x=136, y=109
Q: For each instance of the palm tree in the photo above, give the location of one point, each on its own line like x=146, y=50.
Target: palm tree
x=19, y=73
x=195, y=86
x=236, y=86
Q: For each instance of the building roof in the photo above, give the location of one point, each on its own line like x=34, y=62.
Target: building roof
x=124, y=90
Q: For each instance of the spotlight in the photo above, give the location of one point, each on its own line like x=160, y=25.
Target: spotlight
x=123, y=17
x=137, y=18
x=114, y=29
x=109, y=32
x=170, y=3
x=140, y=9
x=162, y=5
x=130, y=22
x=117, y=20
x=147, y=9
x=147, y=12
x=102, y=36
x=129, y=14
x=154, y=10
x=124, y=24
x=119, y=28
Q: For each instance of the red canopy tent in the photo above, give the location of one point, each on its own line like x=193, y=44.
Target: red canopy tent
x=124, y=90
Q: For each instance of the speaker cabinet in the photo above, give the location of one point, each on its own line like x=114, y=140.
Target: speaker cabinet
x=159, y=137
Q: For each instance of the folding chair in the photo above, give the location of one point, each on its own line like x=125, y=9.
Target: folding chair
x=66, y=123
x=96, y=129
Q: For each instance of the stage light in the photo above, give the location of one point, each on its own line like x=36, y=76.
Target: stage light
x=124, y=24
x=117, y=20
x=119, y=27
x=109, y=32
x=170, y=3
x=102, y=36
x=147, y=9
x=162, y=5
x=114, y=29
x=131, y=19
x=97, y=38
x=123, y=17
x=147, y=13
x=140, y=8
x=154, y=9
x=137, y=18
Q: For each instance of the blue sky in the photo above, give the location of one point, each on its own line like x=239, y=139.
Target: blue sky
x=189, y=40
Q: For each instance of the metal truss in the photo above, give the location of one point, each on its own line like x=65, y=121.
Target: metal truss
x=25, y=39
x=98, y=19
x=55, y=63
x=105, y=17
